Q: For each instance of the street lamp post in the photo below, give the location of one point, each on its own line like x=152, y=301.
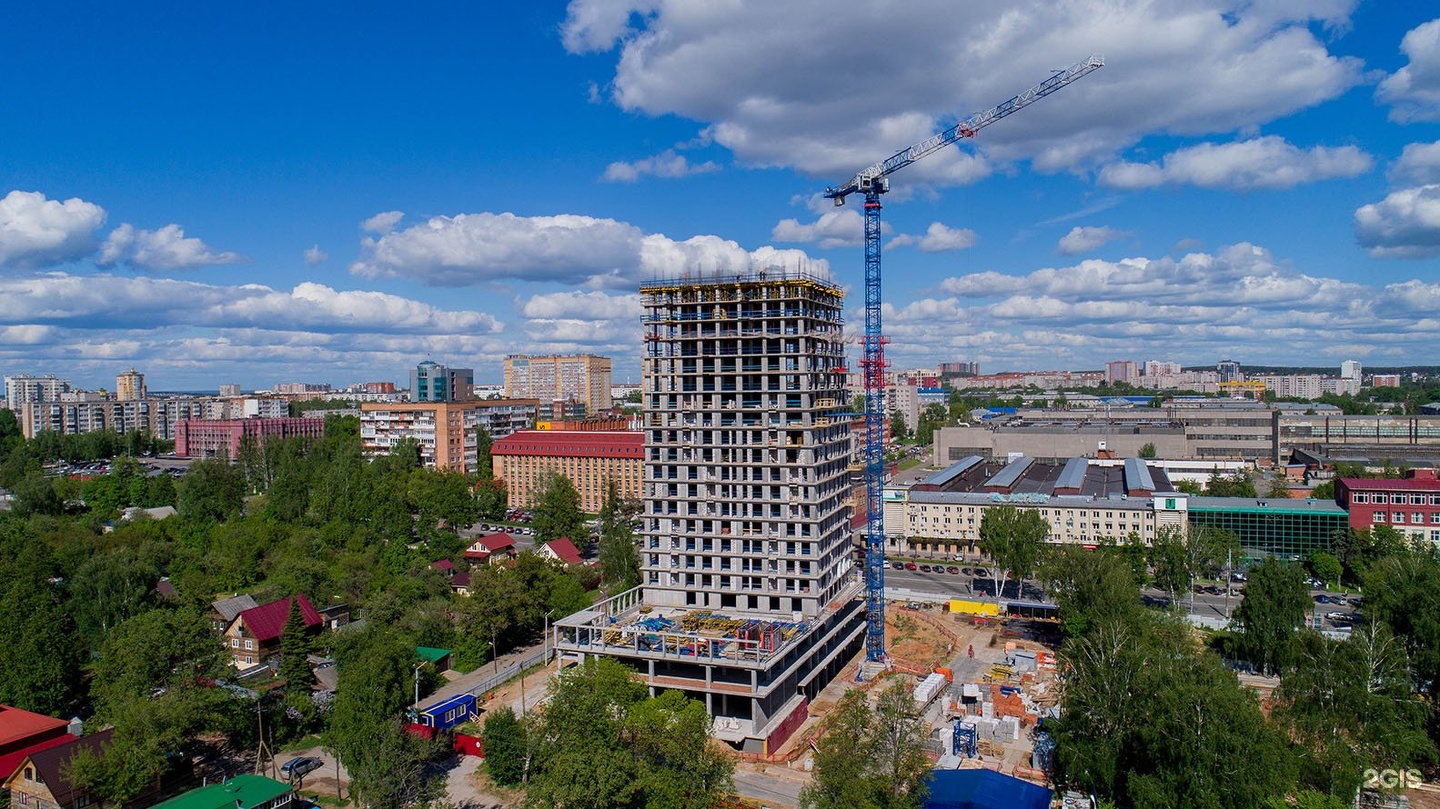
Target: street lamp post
x=417, y=690
x=545, y=641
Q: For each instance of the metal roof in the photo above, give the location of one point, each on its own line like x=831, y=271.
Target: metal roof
x=1010, y=475
x=1137, y=475
x=1073, y=475
x=959, y=468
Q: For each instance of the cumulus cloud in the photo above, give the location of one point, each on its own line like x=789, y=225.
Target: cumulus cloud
x=1414, y=90
x=937, y=238
x=582, y=305
x=160, y=250
x=1406, y=224
x=1419, y=164
x=314, y=256
x=40, y=232
x=382, y=223
x=843, y=227
x=1260, y=163
x=1085, y=239
x=1194, y=308
x=111, y=301
x=668, y=165
x=583, y=251
x=762, y=76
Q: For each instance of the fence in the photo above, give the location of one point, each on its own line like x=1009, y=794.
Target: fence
x=509, y=671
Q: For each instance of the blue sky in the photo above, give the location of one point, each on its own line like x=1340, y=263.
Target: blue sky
x=335, y=191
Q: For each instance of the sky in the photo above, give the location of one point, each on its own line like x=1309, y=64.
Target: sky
x=335, y=191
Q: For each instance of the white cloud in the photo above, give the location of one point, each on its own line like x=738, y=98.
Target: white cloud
x=1260, y=163
x=582, y=251
x=1419, y=164
x=937, y=238
x=1406, y=224
x=39, y=232
x=668, y=164
x=382, y=223
x=1195, y=309
x=160, y=250
x=771, y=79
x=1085, y=239
x=843, y=227
x=111, y=301
x=314, y=256
x=1414, y=89
x=583, y=305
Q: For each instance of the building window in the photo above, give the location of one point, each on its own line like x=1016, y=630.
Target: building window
x=1359, y=497
x=234, y=643
x=249, y=645
x=1397, y=517
x=1417, y=518
x=1378, y=516
x=1417, y=499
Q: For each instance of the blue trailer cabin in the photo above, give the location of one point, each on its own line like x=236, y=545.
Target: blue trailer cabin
x=448, y=714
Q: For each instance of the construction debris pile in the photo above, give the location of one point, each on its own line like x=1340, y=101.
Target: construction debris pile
x=1009, y=700
x=702, y=634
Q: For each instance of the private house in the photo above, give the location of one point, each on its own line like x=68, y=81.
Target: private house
x=561, y=549
x=39, y=780
x=491, y=548
x=254, y=636
x=23, y=733
x=223, y=612
x=240, y=792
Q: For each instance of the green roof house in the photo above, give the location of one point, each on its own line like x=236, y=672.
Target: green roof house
x=240, y=792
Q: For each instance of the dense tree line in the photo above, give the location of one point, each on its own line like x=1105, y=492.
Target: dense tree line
x=86, y=632
x=1152, y=716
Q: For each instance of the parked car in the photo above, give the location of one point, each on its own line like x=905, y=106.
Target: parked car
x=982, y=573
x=1338, y=616
x=910, y=566
x=898, y=565
x=297, y=767
x=1322, y=599
x=924, y=568
x=965, y=571
x=953, y=570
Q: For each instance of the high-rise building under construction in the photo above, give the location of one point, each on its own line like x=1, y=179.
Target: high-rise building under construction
x=749, y=592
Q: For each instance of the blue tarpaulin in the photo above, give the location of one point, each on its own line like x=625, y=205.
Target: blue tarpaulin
x=983, y=789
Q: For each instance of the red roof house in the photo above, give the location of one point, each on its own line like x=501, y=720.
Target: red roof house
x=562, y=549
x=23, y=732
x=254, y=635
x=39, y=779
x=490, y=546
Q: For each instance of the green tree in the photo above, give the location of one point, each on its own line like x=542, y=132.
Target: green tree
x=557, y=510
x=506, y=750
x=36, y=494
x=295, y=650
x=1325, y=490
x=42, y=648
x=1014, y=539
x=108, y=588
x=899, y=428
x=1272, y=609
x=1147, y=450
x=1349, y=704
x=619, y=561
x=1151, y=721
x=1091, y=589
x=870, y=757
x=1236, y=485
x=365, y=731
x=211, y=489
x=1326, y=567
x=603, y=743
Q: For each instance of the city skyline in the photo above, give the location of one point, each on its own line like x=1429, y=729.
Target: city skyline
x=322, y=193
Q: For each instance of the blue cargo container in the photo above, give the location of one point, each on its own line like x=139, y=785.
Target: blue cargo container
x=448, y=714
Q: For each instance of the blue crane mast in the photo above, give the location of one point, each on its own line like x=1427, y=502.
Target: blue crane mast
x=873, y=181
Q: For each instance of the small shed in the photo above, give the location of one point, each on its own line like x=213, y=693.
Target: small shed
x=453, y=711
x=439, y=658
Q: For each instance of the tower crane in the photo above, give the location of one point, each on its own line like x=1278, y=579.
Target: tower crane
x=872, y=181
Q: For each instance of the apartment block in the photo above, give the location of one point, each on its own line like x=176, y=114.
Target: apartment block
x=444, y=430
x=571, y=378
x=749, y=599
x=432, y=382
